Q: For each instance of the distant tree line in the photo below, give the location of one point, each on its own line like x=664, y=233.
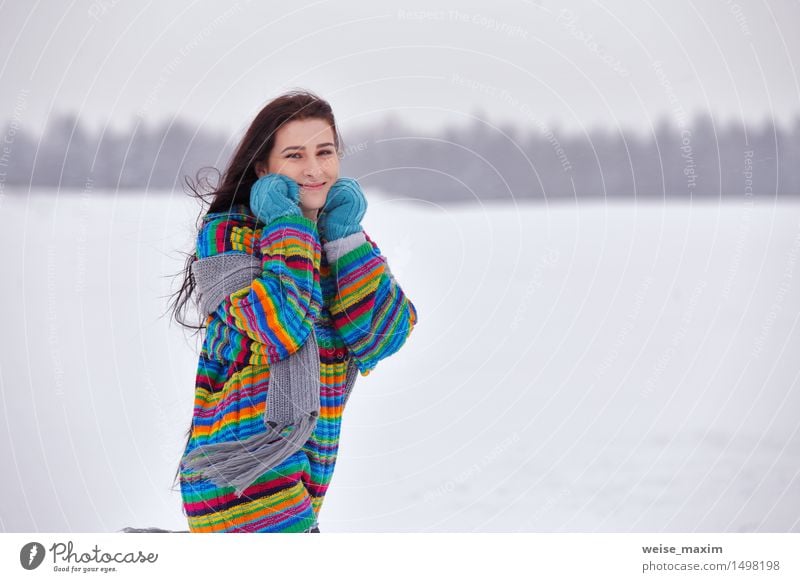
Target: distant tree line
x=476, y=162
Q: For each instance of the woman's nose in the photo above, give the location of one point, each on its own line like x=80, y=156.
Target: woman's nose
x=312, y=167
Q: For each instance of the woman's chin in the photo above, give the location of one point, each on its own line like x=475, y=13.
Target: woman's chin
x=310, y=211
x=314, y=201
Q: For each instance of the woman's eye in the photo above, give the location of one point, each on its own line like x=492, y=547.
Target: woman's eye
x=323, y=152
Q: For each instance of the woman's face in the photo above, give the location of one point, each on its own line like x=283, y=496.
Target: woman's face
x=304, y=151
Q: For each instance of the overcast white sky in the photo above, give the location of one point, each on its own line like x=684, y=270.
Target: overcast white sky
x=431, y=63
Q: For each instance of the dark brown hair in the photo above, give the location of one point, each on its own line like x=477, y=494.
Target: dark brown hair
x=233, y=186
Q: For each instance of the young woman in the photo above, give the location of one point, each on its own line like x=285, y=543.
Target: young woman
x=297, y=300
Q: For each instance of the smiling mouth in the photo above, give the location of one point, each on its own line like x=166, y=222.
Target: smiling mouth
x=314, y=186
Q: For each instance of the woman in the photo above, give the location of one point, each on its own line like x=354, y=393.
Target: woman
x=297, y=300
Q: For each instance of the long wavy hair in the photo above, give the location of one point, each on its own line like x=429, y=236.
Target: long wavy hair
x=235, y=182
x=233, y=185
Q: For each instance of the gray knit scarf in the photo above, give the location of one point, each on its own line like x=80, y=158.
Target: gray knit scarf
x=292, y=398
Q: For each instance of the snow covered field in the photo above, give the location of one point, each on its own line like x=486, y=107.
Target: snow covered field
x=601, y=367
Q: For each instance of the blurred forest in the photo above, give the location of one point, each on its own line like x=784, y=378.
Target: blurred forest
x=477, y=162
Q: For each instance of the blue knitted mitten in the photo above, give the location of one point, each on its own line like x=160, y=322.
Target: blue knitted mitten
x=273, y=196
x=344, y=208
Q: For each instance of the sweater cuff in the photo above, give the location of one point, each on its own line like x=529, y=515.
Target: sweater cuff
x=304, y=227
x=341, y=246
x=297, y=219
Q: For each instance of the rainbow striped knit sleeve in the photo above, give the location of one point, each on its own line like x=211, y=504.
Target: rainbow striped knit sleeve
x=278, y=308
x=367, y=306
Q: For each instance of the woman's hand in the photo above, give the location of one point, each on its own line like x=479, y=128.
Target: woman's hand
x=344, y=208
x=273, y=196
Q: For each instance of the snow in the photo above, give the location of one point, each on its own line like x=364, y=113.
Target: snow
x=599, y=367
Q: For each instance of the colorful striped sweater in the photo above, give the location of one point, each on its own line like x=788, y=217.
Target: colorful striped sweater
x=358, y=313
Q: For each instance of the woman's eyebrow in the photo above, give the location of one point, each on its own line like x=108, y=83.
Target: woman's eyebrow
x=319, y=145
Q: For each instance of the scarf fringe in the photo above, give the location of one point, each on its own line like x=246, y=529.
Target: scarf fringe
x=239, y=464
